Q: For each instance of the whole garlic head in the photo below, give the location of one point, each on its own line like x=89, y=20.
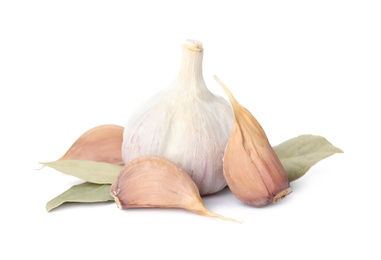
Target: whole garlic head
x=186, y=124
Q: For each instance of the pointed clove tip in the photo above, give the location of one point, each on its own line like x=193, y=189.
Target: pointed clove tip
x=217, y=79
x=231, y=98
x=208, y=213
x=222, y=85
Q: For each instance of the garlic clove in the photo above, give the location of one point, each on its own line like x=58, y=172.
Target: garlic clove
x=184, y=123
x=252, y=170
x=102, y=144
x=151, y=181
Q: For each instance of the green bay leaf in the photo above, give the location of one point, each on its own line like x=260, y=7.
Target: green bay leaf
x=95, y=172
x=85, y=192
x=299, y=154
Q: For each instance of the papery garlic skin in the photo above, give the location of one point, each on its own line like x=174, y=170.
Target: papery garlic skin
x=154, y=182
x=151, y=181
x=100, y=144
x=252, y=169
x=186, y=124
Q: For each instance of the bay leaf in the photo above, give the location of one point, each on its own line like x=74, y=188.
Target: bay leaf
x=95, y=172
x=84, y=192
x=299, y=154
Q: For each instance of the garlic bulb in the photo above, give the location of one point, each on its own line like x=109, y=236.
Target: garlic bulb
x=186, y=124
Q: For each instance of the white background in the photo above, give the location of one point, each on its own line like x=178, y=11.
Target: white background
x=301, y=67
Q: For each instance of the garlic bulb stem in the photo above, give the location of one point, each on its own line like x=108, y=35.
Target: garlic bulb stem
x=190, y=79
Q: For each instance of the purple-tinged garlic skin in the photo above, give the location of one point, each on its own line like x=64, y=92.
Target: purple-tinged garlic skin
x=100, y=144
x=151, y=181
x=252, y=170
x=155, y=182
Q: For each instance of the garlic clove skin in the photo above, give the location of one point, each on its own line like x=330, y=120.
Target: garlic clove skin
x=100, y=144
x=154, y=182
x=252, y=170
x=185, y=123
x=150, y=181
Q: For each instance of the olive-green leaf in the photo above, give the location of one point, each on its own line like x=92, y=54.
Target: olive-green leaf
x=95, y=172
x=299, y=154
x=85, y=192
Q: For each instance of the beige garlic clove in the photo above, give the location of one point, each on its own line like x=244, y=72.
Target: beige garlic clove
x=151, y=181
x=102, y=144
x=252, y=170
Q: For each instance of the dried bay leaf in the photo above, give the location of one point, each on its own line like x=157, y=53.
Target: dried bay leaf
x=299, y=154
x=95, y=172
x=85, y=192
